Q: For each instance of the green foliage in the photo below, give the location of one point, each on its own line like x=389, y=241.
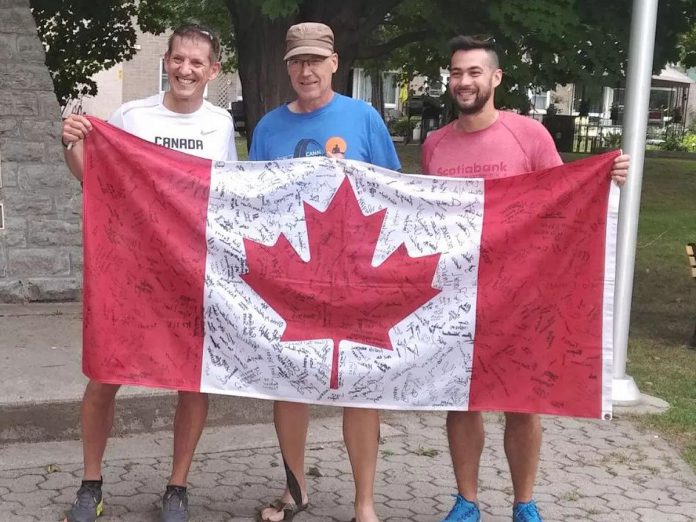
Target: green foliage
x=687, y=47
x=81, y=38
x=673, y=141
x=541, y=42
x=689, y=142
x=277, y=8
x=402, y=127
x=612, y=140
x=159, y=16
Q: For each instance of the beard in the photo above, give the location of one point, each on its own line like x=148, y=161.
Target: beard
x=475, y=105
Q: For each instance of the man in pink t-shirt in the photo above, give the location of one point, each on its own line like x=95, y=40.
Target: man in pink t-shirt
x=512, y=144
x=486, y=143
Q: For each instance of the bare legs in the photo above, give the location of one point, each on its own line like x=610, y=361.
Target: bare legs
x=291, y=421
x=466, y=438
x=522, y=447
x=189, y=420
x=361, y=435
x=97, y=417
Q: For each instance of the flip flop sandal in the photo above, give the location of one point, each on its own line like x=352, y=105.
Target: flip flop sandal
x=289, y=509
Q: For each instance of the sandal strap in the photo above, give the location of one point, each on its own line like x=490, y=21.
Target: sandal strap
x=277, y=504
x=288, y=509
x=293, y=484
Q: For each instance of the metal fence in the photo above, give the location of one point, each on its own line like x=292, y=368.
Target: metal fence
x=593, y=134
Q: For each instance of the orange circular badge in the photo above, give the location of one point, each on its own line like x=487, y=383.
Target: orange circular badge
x=336, y=147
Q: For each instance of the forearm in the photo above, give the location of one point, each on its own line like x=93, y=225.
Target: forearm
x=75, y=130
x=74, y=159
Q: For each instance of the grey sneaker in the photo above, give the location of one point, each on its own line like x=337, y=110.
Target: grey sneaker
x=175, y=505
x=88, y=504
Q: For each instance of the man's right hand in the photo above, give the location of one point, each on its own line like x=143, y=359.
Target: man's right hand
x=75, y=128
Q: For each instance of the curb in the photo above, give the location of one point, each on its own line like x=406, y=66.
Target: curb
x=135, y=414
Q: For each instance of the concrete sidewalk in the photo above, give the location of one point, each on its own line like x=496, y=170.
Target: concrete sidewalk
x=590, y=470
x=41, y=382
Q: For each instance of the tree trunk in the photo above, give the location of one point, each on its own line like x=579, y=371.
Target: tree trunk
x=377, y=91
x=260, y=44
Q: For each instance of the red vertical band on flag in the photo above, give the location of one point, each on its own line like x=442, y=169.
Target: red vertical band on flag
x=145, y=251
x=538, y=342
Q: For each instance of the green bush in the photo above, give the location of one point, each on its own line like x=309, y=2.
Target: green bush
x=402, y=127
x=673, y=142
x=689, y=141
x=612, y=140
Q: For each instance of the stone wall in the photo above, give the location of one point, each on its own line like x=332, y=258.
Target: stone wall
x=40, y=242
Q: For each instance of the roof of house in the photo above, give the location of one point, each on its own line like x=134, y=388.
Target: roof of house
x=672, y=75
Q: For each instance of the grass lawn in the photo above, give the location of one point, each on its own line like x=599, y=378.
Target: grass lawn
x=663, y=312
x=241, y=144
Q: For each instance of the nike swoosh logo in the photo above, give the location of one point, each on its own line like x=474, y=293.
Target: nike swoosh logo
x=206, y=132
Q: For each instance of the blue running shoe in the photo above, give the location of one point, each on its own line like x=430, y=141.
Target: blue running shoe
x=463, y=511
x=526, y=512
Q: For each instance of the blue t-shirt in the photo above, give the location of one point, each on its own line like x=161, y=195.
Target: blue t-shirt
x=344, y=128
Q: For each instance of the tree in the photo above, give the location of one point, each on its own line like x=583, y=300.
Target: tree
x=687, y=45
x=541, y=42
x=81, y=38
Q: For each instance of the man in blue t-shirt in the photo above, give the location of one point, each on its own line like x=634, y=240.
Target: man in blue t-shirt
x=321, y=122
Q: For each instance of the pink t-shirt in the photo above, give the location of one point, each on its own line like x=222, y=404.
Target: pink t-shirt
x=513, y=144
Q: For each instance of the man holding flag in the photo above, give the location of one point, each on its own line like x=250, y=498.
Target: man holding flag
x=179, y=119
x=486, y=143
x=321, y=122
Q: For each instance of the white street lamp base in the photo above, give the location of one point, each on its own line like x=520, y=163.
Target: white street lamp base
x=624, y=392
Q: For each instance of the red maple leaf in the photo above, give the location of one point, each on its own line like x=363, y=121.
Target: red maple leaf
x=338, y=294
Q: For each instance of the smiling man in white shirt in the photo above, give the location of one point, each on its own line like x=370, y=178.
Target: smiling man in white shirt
x=179, y=119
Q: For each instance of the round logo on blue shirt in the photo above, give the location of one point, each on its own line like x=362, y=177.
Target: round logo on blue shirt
x=308, y=148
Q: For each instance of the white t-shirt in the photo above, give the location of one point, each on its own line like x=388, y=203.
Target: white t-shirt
x=206, y=133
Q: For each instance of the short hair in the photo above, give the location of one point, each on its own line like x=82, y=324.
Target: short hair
x=197, y=32
x=470, y=43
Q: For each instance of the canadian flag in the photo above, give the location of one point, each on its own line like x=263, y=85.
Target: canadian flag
x=337, y=282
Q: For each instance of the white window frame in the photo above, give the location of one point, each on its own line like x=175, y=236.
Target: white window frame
x=162, y=76
x=396, y=88
x=533, y=95
x=359, y=82
x=362, y=82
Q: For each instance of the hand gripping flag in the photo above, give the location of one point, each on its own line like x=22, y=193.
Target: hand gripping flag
x=336, y=282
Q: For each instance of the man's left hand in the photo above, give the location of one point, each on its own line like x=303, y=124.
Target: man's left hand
x=619, y=170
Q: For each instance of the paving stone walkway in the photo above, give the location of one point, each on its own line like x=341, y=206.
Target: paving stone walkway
x=590, y=470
